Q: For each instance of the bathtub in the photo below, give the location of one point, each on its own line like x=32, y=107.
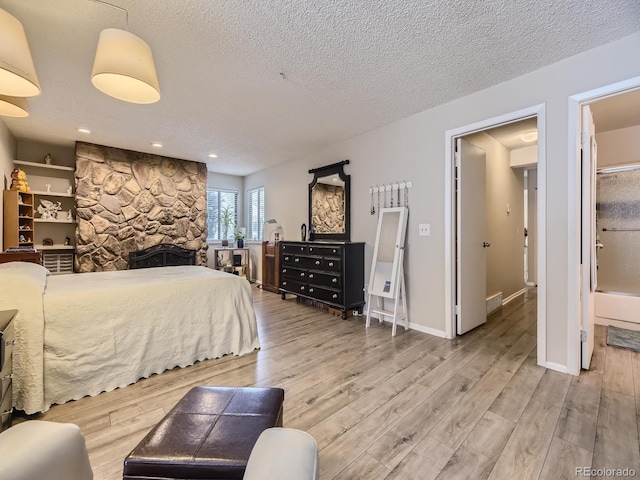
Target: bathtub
x=617, y=309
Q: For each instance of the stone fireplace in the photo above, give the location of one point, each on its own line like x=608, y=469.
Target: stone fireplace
x=127, y=201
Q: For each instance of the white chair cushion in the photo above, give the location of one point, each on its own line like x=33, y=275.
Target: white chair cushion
x=285, y=454
x=44, y=450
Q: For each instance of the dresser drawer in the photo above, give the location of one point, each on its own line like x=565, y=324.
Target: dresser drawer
x=333, y=264
x=7, y=339
x=325, y=294
x=5, y=375
x=324, y=279
x=309, y=261
x=6, y=409
x=294, y=286
x=325, y=251
x=292, y=248
x=296, y=274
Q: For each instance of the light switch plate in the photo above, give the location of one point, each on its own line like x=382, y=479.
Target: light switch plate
x=424, y=229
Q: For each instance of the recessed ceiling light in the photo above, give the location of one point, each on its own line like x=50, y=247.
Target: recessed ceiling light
x=531, y=136
x=213, y=155
x=84, y=130
x=156, y=145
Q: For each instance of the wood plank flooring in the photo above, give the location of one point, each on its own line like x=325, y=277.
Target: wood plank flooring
x=409, y=407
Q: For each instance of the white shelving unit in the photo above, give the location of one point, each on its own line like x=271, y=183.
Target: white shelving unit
x=52, y=182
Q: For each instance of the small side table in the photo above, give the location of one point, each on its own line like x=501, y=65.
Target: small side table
x=33, y=257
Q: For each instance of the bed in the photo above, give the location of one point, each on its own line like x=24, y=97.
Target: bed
x=87, y=333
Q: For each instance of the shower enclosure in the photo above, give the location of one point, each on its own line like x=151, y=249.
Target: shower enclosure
x=618, y=241
x=618, y=229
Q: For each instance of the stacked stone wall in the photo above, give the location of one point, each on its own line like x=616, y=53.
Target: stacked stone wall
x=127, y=201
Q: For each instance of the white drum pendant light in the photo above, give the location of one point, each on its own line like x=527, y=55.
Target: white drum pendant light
x=17, y=73
x=124, y=68
x=13, y=106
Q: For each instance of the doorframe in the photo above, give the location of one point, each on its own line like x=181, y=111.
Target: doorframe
x=575, y=211
x=537, y=111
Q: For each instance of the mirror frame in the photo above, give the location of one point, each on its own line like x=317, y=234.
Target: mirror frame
x=335, y=168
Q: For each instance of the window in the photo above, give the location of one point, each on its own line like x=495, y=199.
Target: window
x=219, y=201
x=255, y=199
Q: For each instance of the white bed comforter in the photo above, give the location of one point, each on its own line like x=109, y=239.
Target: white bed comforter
x=83, y=334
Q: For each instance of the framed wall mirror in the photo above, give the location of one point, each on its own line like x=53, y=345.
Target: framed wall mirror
x=329, y=203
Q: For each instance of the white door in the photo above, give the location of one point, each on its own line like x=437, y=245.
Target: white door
x=471, y=238
x=588, y=276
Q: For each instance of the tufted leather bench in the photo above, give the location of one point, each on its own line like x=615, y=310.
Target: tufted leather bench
x=208, y=435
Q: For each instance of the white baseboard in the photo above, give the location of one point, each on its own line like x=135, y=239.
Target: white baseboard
x=513, y=295
x=414, y=326
x=557, y=367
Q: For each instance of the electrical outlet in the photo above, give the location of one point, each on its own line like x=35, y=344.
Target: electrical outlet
x=424, y=229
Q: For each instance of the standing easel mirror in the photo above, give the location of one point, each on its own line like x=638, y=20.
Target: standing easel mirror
x=387, y=271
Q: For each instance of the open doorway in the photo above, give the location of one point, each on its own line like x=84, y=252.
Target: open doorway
x=455, y=268
x=582, y=271
x=501, y=214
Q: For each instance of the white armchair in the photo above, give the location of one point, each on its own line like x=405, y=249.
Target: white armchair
x=36, y=450
x=285, y=454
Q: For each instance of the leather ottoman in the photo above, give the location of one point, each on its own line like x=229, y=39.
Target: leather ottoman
x=209, y=434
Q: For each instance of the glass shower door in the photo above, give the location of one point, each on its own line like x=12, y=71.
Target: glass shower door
x=618, y=229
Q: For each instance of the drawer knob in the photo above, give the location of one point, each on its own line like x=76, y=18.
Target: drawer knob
x=297, y=260
x=284, y=270
x=334, y=250
x=335, y=295
x=302, y=287
x=302, y=274
x=286, y=259
x=317, y=262
x=284, y=283
x=334, y=280
x=311, y=275
x=311, y=290
x=331, y=264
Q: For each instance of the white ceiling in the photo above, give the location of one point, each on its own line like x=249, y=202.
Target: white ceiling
x=265, y=81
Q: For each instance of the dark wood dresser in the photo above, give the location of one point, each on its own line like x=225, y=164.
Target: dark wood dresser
x=7, y=341
x=329, y=272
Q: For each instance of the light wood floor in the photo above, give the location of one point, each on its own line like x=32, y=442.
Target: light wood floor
x=410, y=407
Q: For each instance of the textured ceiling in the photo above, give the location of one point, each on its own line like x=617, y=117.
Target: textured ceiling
x=266, y=81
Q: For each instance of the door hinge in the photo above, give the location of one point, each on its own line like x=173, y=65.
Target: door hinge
x=457, y=309
x=583, y=335
x=457, y=162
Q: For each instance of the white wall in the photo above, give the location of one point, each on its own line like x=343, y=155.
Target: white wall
x=525, y=156
x=414, y=149
x=618, y=147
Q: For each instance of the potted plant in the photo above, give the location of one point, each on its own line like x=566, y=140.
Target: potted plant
x=227, y=221
x=239, y=238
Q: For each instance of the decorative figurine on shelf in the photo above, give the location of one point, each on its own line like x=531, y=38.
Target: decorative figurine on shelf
x=70, y=215
x=19, y=181
x=67, y=241
x=22, y=239
x=48, y=242
x=49, y=210
x=69, y=190
x=47, y=159
x=48, y=185
x=20, y=201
